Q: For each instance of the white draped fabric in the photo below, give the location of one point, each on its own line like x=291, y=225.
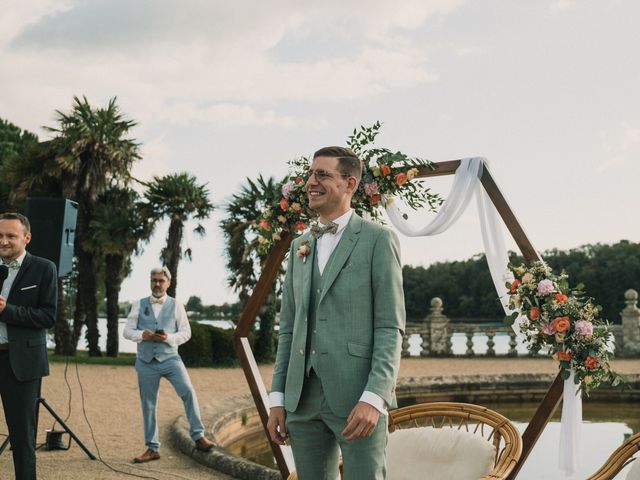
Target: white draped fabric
x=466, y=184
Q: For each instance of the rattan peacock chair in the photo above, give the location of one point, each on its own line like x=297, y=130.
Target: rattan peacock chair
x=620, y=458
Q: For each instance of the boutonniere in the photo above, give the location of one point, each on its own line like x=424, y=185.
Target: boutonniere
x=303, y=250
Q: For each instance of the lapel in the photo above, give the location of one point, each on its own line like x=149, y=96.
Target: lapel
x=307, y=270
x=341, y=253
x=26, y=262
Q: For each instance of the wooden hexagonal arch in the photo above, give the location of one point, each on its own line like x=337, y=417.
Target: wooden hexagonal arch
x=272, y=266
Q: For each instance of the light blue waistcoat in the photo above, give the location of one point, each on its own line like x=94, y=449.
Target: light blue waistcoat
x=167, y=321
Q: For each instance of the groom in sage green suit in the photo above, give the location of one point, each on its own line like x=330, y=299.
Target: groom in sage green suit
x=341, y=327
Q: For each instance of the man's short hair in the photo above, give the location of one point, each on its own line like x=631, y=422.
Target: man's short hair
x=348, y=161
x=161, y=270
x=17, y=216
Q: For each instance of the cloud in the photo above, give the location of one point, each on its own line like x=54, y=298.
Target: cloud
x=471, y=51
x=620, y=147
x=559, y=6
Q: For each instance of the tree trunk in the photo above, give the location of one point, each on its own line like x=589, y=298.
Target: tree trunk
x=87, y=285
x=172, y=253
x=62, y=331
x=112, y=283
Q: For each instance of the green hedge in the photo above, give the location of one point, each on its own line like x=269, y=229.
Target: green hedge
x=209, y=347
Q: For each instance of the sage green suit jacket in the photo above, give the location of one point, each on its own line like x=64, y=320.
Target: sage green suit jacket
x=359, y=321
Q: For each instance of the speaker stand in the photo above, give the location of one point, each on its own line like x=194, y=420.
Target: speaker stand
x=43, y=402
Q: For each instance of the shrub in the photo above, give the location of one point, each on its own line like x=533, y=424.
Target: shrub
x=209, y=346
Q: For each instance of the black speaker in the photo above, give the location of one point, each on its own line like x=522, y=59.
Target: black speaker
x=53, y=228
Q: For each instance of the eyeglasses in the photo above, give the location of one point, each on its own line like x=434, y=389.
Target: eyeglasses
x=158, y=280
x=323, y=175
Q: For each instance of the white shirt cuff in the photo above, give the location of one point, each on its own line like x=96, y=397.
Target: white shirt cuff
x=376, y=401
x=276, y=399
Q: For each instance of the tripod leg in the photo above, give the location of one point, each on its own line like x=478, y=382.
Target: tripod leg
x=4, y=445
x=66, y=428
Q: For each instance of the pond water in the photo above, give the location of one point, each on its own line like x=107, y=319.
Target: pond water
x=605, y=427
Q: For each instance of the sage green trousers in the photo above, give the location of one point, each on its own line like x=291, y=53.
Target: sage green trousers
x=316, y=441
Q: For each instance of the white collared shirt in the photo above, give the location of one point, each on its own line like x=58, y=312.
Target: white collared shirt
x=6, y=288
x=328, y=242
x=131, y=331
x=325, y=246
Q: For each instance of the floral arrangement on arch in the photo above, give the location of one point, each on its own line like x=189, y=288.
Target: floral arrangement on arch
x=384, y=173
x=564, y=321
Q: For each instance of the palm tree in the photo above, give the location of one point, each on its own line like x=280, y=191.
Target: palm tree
x=179, y=198
x=117, y=231
x=92, y=145
x=243, y=262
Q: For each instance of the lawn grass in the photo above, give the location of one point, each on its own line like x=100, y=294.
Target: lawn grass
x=84, y=358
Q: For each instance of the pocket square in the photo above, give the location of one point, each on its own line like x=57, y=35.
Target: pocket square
x=28, y=288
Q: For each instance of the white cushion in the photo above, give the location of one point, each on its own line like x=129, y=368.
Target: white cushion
x=634, y=471
x=438, y=454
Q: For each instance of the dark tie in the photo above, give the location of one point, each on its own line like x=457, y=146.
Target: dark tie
x=318, y=230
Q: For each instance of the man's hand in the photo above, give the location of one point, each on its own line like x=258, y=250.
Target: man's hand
x=3, y=303
x=362, y=421
x=276, y=425
x=160, y=337
x=148, y=335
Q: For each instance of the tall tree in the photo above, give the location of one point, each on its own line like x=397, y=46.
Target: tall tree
x=15, y=143
x=179, y=198
x=118, y=228
x=92, y=144
x=243, y=262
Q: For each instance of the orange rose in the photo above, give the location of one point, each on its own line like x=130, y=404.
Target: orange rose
x=591, y=363
x=564, y=356
x=298, y=180
x=561, y=298
x=264, y=225
x=374, y=199
x=561, y=324
x=385, y=169
x=296, y=207
x=514, y=285
x=401, y=178
x=299, y=226
x=534, y=313
x=284, y=205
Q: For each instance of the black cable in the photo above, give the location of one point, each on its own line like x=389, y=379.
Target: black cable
x=84, y=412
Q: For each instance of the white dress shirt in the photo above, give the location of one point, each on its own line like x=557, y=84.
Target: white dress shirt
x=325, y=246
x=131, y=331
x=6, y=288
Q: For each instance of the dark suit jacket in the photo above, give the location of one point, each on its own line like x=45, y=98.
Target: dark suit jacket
x=29, y=313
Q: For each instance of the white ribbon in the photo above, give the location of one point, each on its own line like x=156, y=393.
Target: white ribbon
x=466, y=183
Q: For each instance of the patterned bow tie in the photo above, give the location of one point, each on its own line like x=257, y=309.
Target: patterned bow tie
x=13, y=265
x=318, y=230
x=157, y=300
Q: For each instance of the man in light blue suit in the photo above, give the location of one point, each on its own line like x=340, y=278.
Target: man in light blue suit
x=340, y=336
x=159, y=324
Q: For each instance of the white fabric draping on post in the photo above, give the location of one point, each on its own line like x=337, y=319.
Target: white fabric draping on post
x=466, y=184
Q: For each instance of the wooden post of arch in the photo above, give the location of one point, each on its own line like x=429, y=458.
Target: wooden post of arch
x=272, y=266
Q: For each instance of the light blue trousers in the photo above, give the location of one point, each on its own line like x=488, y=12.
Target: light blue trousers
x=149, y=374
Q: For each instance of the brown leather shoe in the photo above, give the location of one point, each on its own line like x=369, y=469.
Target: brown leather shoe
x=147, y=456
x=204, y=444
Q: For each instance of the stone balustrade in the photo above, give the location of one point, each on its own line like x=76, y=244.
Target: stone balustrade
x=434, y=337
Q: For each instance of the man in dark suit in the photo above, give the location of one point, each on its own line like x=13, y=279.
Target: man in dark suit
x=28, y=298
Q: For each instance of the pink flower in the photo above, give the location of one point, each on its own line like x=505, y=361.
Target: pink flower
x=584, y=329
x=548, y=329
x=371, y=189
x=286, y=189
x=545, y=287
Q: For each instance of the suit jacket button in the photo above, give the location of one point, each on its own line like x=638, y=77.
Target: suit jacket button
x=301, y=352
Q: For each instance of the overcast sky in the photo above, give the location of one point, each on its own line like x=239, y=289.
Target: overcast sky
x=548, y=91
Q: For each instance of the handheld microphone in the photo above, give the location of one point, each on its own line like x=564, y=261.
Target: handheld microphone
x=4, y=273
